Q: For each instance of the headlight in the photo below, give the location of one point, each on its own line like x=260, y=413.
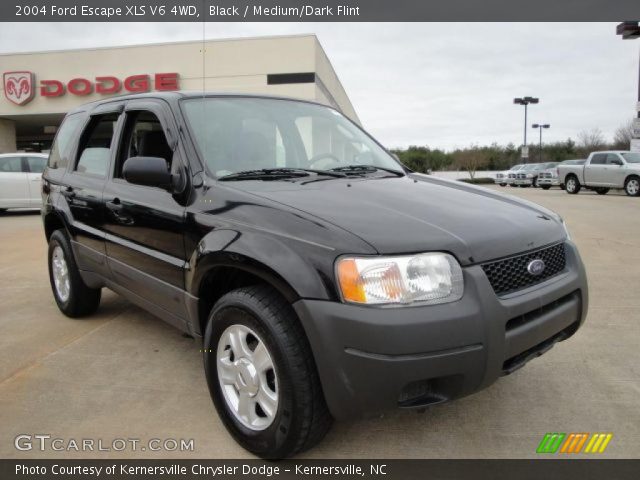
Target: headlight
x=427, y=277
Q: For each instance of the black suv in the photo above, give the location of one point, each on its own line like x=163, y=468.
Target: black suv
x=324, y=278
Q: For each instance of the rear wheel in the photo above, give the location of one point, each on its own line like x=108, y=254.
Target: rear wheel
x=545, y=187
x=602, y=190
x=73, y=296
x=262, y=375
x=572, y=185
x=632, y=186
x=503, y=184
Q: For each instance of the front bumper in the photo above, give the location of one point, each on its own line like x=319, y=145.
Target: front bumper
x=371, y=359
x=554, y=182
x=500, y=181
x=523, y=181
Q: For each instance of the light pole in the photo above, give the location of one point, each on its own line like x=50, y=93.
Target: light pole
x=540, y=126
x=629, y=31
x=525, y=101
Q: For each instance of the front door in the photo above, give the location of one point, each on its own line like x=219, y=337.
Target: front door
x=144, y=225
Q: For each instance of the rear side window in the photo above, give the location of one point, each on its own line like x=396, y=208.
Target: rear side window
x=94, y=150
x=36, y=164
x=61, y=148
x=11, y=164
x=599, y=159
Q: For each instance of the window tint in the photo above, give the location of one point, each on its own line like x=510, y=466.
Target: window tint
x=60, y=150
x=95, y=143
x=599, y=159
x=36, y=164
x=10, y=164
x=613, y=159
x=143, y=137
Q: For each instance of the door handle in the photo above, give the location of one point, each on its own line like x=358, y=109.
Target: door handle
x=68, y=192
x=114, y=205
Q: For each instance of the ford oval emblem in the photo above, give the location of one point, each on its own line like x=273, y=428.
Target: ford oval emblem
x=536, y=267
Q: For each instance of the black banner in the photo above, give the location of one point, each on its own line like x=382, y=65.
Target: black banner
x=317, y=10
x=547, y=469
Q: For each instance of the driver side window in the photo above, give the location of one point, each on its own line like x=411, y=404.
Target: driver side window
x=143, y=136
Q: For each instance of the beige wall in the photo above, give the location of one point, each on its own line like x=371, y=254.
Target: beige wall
x=239, y=65
x=7, y=136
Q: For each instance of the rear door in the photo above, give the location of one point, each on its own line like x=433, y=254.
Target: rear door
x=83, y=186
x=35, y=167
x=595, y=174
x=616, y=172
x=145, y=225
x=14, y=187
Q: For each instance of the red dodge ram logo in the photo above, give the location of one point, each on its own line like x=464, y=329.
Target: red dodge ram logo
x=18, y=87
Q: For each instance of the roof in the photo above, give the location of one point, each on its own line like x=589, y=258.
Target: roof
x=173, y=96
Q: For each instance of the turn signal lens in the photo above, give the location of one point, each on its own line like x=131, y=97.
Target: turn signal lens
x=428, y=277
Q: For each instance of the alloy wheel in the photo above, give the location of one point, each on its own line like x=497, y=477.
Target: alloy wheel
x=247, y=377
x=60, y=274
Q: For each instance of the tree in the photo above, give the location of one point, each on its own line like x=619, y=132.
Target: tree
x=590, y=140
x=423, y=159
x=471, y=159
x=623, y=135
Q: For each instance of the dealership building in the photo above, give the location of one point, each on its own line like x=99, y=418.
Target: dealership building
x=40, y=87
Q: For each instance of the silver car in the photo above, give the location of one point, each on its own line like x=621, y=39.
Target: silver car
x=550, y=178
x=20, y=180
x=506, y=178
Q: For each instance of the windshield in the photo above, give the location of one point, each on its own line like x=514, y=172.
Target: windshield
x=632, y=157
x=532, y=166
x=236, y=134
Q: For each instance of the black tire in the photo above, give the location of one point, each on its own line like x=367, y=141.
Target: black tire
x=503, y=184
x=82, y=300
x=302, y=418
x=602, y=190
x=562, y=186
x=572, y=185
x=2, y=210
x=545, y=187
x=632, y=181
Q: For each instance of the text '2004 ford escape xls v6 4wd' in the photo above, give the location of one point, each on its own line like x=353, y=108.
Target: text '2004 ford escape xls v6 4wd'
x=325, y=279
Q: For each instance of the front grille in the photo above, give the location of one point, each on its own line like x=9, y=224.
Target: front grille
x=522, y=175
x=511, y=274
x=546, y=175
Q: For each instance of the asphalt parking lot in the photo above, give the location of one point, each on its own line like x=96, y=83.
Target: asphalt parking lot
x=122, y=373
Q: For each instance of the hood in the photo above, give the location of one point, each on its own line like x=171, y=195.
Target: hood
x=419, y=213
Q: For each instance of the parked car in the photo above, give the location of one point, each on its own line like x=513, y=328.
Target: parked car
x=603, y=171
x=502, y=178
x=549, y=177
x=20, y=175
x=513, y=173
x=528, y=176
x=324, y=279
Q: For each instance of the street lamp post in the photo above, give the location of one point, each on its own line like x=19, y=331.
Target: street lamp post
x=629, y=31
x=525, y=101
x=540, y=126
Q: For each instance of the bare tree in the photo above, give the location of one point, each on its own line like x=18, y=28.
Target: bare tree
x=623, y=135
x=470, y=159
x=591, y=140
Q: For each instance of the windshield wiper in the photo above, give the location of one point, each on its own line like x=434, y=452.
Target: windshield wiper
x=276, y=173
x=359, y=169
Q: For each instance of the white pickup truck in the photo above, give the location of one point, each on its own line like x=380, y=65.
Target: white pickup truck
x=603, y=171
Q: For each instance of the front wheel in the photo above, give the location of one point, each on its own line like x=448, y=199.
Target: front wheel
x=632, y=186
x=572, y=186
x=261, y=374
x=73, y=296
x=545, y=187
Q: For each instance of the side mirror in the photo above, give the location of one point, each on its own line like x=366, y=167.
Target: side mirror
x=149, y=171
x=616, y=161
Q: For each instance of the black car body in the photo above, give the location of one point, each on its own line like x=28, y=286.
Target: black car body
x=177, y=249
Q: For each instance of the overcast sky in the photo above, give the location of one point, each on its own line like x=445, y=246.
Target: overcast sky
x=444, y=85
